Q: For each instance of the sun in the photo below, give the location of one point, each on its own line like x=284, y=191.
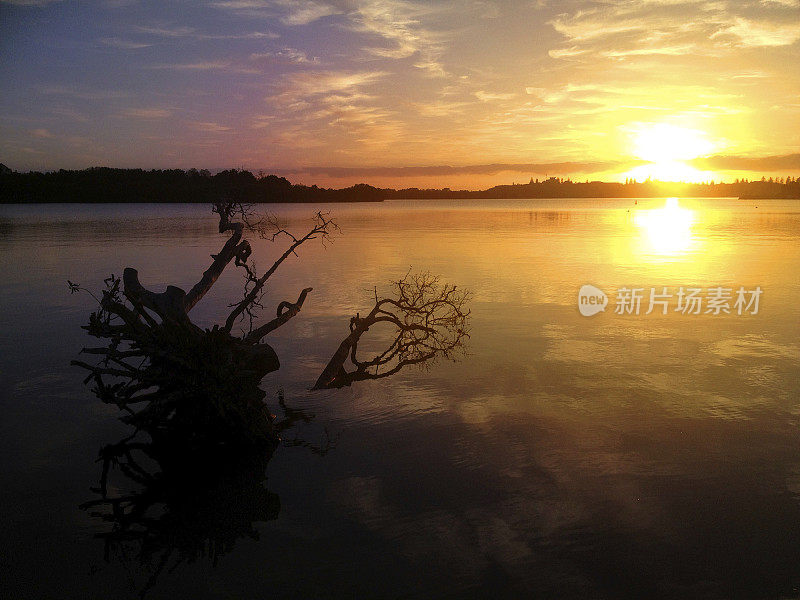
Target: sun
x=663, y=142
x=666, y=147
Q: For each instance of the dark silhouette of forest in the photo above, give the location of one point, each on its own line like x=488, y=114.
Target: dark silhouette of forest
x=102, y=184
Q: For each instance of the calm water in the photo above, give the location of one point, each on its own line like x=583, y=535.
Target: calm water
x=615, y=456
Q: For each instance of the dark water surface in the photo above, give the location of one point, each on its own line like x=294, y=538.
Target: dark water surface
x=614, y=456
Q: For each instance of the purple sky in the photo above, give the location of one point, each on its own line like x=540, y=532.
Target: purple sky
x=457, y=92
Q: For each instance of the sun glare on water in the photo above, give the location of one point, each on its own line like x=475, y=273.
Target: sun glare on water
x=667, y=230
x=666, y=147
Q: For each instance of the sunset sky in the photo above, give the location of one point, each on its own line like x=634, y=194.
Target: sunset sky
x=464, y=94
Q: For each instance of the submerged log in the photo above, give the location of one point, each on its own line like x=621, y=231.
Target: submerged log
x=174, y=378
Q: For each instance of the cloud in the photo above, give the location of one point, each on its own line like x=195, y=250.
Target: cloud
x=621, y=29
x=41, y=133
x=288, y=12
x=169, y=32
x=589, y=25
x=183, y=32
x=69, y=113
x=299, y=88
x=567, y=52
x=400, y=24
x=212, y=65
x=750, y=75
x=209, y=127
x=285, y=56
x=441, y=109
x=147, y=113
x=81, y=94
x=489, y=96
x=124, y=44
x=749, y=163
x=753, y=34
x=678, y=50
x=29, y=2
x=485, y=169
x=303, y=12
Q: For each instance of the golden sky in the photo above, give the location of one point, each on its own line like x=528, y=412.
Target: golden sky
x=458, y=93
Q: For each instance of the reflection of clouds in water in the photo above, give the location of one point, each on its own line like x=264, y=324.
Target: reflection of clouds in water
x=512, y=527
x=625, y=344
x=753, y=346
x=761, y=375
x=793, y=481
x=417, y=536
x=476, y=538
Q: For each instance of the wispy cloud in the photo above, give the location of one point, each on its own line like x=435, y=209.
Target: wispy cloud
x=81, y=93
x=297, y=89
x=400, y=24
x=288, y=12
x=752, y=34
x=210, y=65
x=481, y=169
x=184, y=32
x=169, y=32
x=677, y=50
x=123, y=44
x=485, y=96
x=30, y=2
x=147, y=113
x=788, y=162
x=620, y=29
x=69, y=113
x=303, y=12
x=289, y=56
x=784, y=3
x=209, y=127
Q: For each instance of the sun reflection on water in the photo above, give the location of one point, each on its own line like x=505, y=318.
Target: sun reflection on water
x=667, y=230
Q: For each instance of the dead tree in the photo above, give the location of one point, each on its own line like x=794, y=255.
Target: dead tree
x=428, y=319
x=176, y=380
x=171, y=376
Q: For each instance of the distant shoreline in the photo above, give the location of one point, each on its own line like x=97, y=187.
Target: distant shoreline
x=106, y=185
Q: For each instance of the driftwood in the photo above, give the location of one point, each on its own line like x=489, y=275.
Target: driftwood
x=173, y=377
x=198, y=477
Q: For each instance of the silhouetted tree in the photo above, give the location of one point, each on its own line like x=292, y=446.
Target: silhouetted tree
x=428, y=320
x=176, y=380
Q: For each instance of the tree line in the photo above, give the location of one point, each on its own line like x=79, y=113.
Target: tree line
x=103, y=184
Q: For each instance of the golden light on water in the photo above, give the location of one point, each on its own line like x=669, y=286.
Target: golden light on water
x=666, y=147
x=667, y=230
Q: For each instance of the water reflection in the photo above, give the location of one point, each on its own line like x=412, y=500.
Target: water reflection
x=611, y=457
x=667, y=230
x=167, y=504
x=184, y=505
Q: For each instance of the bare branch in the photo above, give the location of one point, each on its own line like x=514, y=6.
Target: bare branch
x=286, y=310
x=234, y=249
x=323, y=228
x=430, y=320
